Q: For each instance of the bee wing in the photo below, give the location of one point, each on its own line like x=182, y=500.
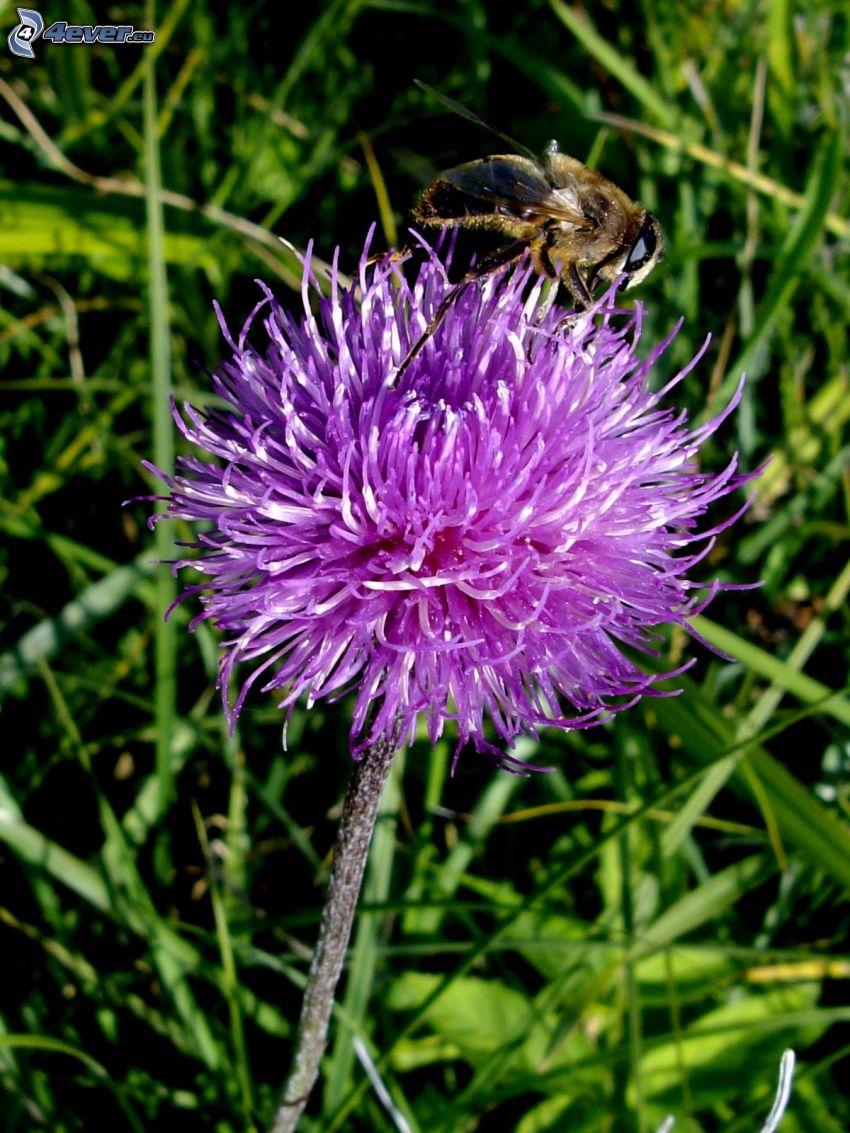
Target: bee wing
x=506, y=184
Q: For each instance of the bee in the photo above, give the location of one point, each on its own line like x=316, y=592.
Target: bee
x=579, y=227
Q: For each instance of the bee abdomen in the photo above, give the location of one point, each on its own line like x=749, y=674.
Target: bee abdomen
x=443, y=201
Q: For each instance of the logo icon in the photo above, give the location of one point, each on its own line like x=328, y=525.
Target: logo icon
x=21, y=38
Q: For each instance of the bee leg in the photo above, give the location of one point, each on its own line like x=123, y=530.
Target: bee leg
x=543, y=266
x=578, y=288
x=573, y=280
x=393, y=255
x=500, y=258
x=433, y=326
x=582, y=297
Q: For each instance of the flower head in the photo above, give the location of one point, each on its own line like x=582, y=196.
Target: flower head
x=473, y=535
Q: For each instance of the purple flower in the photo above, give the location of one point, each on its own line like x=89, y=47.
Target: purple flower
x=474, y=538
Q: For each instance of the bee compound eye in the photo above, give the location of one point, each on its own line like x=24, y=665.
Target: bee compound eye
x=643, y=249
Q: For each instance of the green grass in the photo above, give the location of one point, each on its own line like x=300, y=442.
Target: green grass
x=641, y=932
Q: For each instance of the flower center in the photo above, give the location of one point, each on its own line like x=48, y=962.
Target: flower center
x=446, y=551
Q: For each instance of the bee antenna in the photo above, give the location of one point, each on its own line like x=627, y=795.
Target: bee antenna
x=470, y=116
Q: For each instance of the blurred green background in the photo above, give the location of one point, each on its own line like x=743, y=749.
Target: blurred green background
x=639, y=933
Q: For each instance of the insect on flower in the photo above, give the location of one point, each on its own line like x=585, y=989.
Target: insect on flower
x=579, y=228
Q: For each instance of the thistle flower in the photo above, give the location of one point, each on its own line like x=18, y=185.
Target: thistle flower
x=475, y=538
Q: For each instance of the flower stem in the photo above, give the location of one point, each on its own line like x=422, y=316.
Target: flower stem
x=350, y=852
